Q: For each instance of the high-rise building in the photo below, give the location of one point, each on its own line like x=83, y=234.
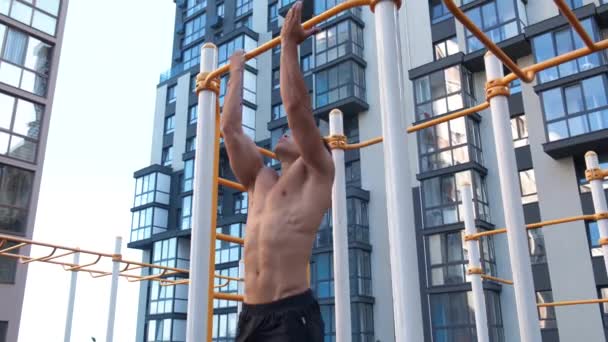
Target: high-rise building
x=31, y=33
x=555, y=120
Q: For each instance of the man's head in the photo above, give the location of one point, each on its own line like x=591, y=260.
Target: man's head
x=287, y=151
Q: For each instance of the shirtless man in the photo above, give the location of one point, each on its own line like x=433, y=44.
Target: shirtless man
x=284, y=212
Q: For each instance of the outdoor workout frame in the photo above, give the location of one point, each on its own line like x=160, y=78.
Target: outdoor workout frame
x=403, y=258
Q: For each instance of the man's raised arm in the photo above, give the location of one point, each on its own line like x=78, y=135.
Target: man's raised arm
x=295, y=94
x=245, y=160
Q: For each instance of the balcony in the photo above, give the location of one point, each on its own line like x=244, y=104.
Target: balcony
x=151, y=202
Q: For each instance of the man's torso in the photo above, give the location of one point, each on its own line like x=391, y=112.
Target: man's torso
x=284, y=215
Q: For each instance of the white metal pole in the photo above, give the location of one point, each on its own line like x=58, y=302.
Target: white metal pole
x=599, y=201
x=67, y=336
x=517, y=235
x=340, y=235
x=114, y=289
x=479, y=300
x=402, y=235
x=201, y=244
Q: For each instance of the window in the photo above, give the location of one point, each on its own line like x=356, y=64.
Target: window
x=245, y=22
x=230, y=287
x=170, y=124
x=576, y=109
x=167, y=299
x=20, y=123
x=515, y=86
x=15, y=193
x=224, y=327
x=25, y=61
x=195, y=28
x=324, y=236
x=337, y=41
x=498, y=19
x=443, y=91
x=173, y=252
x=8, y=266
x=194, y=6
x=167, y=156
x=220, y=204
x=192, y=114
x=556, y=43
x=546, y=315
x=151, y=188
x=243, y=7
x=306, y=64
x=166, y=330
x=188, y=175
x=186, y=222
x=220, y=10
x=191, y=144
x=171, y=97
x=527, y=183
x=593, y=234
x=448, y=144
x=358, y=221
x=273, y=15
x=360, y=272
x=276, y=50
x=39, y=14
x=451, y=318
x=276, y=79
x=323, y=5
x=446, y=48
x=536, y=245
x=322, y=275
x=519, y=130
x=278, y=111
x=3, y=331
x=446, y=259
x=438, y=11
x=574, y=3
x=191, y=57
x=362, y=322
x=329, y=322
x=241, y=203
x=339, y=82
x=147, y=222
x=442, y=202
x=494, y=312
x=228, y=251
x=353, y=173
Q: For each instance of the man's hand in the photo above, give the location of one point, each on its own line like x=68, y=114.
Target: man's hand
x=237, y=62
x=292, y=31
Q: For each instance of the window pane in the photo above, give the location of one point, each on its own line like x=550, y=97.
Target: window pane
x=595, y=92
x=574, y=99
x=553, y=104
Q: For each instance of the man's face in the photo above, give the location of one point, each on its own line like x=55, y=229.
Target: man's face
x=286, y=149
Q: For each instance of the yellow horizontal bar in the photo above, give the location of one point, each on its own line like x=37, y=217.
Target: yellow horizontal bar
x=573, y=302
x=230, y=238
x=228, y=296
x=449, y=117
x=498, y=280
x=228, y=278
x=231, y=184
x=363, y=144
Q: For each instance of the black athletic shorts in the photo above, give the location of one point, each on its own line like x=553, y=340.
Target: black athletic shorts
x=291, y=319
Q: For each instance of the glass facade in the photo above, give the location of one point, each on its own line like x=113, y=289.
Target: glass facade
x=438, y=11
x=166, y=330
x=498, y=19
x=576, y=109
x=446, y=47
x=339, y=82
x=562, y=41
x=15, y=193
x=152, y=188
x=20, y=122
x=443, y=91
x=39, y=14
x=336, y=41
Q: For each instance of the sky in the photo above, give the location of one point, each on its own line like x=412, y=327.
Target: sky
x=100, y=133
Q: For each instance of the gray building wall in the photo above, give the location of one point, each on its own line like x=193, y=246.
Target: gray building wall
x=11, y=295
